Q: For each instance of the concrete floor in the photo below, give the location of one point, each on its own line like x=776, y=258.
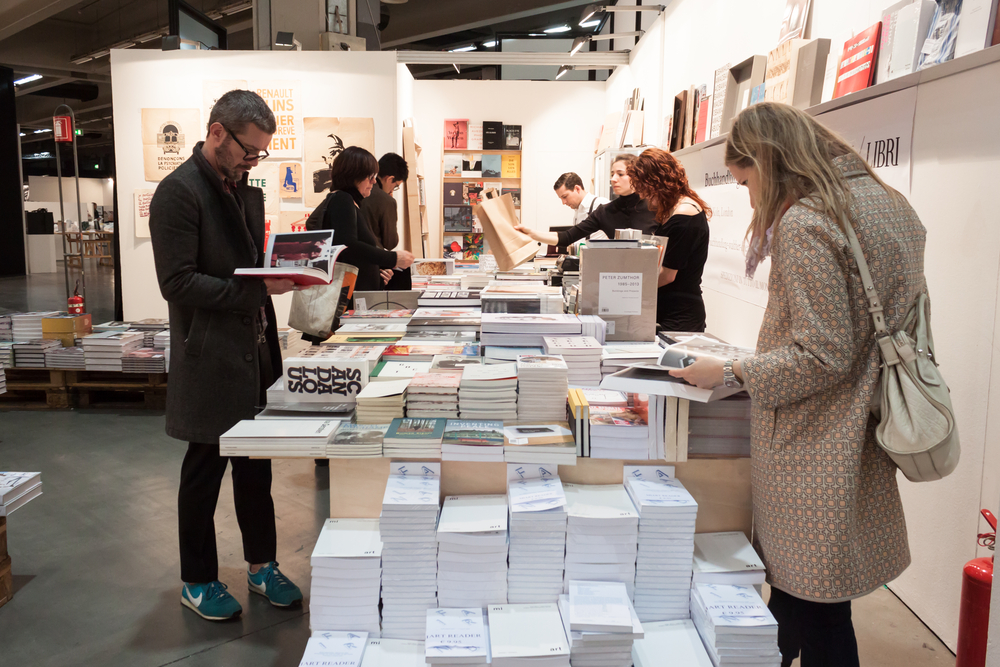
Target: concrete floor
x=47, y=291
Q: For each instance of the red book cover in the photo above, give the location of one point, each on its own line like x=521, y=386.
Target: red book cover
x=857, y=66
x=703, y=119
x=456, y=133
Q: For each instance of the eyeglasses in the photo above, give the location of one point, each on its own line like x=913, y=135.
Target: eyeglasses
x=261, y=155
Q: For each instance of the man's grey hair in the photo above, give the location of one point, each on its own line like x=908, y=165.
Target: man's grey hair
x=238, y=107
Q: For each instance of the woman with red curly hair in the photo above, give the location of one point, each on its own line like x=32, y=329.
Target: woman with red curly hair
x=660, y=180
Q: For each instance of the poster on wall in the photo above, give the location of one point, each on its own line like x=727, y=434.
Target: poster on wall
x=211, y=91
x=265, y=177
x=283, y=99
x=168, y=135
x=292, y=221
x=326, y=138
x=290, y=180
x=143, y=197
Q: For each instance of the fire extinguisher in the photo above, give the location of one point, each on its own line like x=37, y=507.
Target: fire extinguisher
x=74, y=304
x=974, y=613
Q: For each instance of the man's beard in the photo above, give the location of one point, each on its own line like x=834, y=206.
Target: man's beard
x=226, y=164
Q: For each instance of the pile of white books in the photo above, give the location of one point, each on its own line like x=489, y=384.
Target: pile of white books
x=144, y=360
x=31, y=353
x=393, y=653
x=725, y=558
x=594, y=327
x=523, y=635
x=472, y=440
x=735, y=625
x=602, y=535
x=335, y=648
x=103, y=351
x=150, y=327
x=71, y=358
x=278, y=438
x=357, y=441
x=542, y=387
x=28, y=326
x=526, y=330
x=17, y=488
x=346, y=576
x=617, y=356
x=433, y=395
x=720, y=428
x=6, y=332
x=408, y=527
x=161, y=340
x=547, y=444
x=488, y=391
x=3, y=380
x=381, y=402
x=618, y=433
x=582, y=355
x=537, y=507
x=476, y=281
x=414, y=438
x=278, y=409
x=601, y=624
x=472, y=551
x=7, y=354
x=456, y=637
x=667, y=515
x=677, y=639
x=497, y=354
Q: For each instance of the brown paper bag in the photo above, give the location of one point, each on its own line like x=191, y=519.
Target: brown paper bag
x=498, y=217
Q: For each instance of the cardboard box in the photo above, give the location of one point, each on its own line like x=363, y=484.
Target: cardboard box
x=619, y=286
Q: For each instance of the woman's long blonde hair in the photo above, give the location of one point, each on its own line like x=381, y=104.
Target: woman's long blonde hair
x=793, y=155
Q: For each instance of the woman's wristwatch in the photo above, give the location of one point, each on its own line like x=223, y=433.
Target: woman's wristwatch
x=729, y=377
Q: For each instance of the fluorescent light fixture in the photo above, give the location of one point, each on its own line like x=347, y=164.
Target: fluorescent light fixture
x=28, y=79
x=556, y=29
x=81, y=59
x=458, y=70
x=470, y=47
x=578, y=44
x=536, y=34
x=23, y=134
x=150, y=36
x=488, y=45
x=591, y=23
x=42, y=131
x=588, y=12
x=563, y=70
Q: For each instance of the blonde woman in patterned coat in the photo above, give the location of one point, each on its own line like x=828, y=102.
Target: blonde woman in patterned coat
x=828, y=521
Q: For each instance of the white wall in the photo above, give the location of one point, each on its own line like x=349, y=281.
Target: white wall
x=560, y=122
x=46, y=189
x=404, y=111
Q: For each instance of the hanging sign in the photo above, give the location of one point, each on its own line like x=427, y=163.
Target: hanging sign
x=62, y=127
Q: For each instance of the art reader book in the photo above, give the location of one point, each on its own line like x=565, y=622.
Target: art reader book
x=306, y=258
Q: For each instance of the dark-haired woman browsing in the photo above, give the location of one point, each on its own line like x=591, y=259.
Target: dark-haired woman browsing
x=662, y=183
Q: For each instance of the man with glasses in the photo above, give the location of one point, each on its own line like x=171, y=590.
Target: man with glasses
x=206, y=222
x=379, y=209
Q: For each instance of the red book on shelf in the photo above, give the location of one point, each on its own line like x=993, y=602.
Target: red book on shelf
x=856, y=68
x=703, y=119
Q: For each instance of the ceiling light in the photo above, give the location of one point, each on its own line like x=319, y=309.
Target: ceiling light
x=81, y=60
x=578, y=44
x=470, y=47
x=593, y=9
x=536, y=34
x=558, y=28
x=563, y=70
x=458, y=70
x=588, y=12
x=591, y=23
x=42, y=131
x=488, y=45
x=28, y=79
x=23, y=134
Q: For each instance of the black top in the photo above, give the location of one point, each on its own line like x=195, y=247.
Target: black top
x=679, y=306
x=379, y=209
x=351, y=229
x=628, y=212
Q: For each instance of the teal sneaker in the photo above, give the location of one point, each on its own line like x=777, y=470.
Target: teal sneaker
x=211, y=601
x=272, y=584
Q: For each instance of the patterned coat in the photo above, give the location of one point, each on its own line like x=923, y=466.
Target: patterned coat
x=828, y=520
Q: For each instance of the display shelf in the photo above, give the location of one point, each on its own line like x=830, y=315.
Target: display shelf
x=487, y=151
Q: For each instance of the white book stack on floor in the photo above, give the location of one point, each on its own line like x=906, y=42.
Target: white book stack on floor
x=735, y=626
x=488, y=391
x=408, y=527
x=526, y=635
x=279, y=438
x=18, y=488
x=381, y=402
x=618, y=433
x=602, y=534
x=71, y=358
x=472, y=551
x=725, y=558
x=346, y=576
x=433, y=395
x=334, y=648
x=677, y=639
x=31, y=353
x=537, y=508
x=582, y=355
x=667, y=515
x=456, y=637
x=601, y=624
x=357, y=441
x=542, y=387
x=103, y=351
x=393, y=653
x=472, y=440
x=28, y=326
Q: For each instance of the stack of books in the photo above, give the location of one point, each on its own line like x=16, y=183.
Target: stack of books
x=476, y=280
x=433, y=395
x=393, y=653
x=448, y=299
x=456, y=637
x=381, y=402
x=290, y=342
x=31, y=353
x=335, y=648
x=398, y=370
x=667, y=515
x=346, y=576
x=161, y=340
x=6, y=334
x=525, y=297
x=427, y=352
x=113, y=325
x=7, y=354
x=453, y=363
x=488, y=392
x=720, y=428
x=278, y=438
x=602, y=625
x=582, y=355
x=149, y=328
x=414, y=438
x=472, y=440
x=17, y=488
x=725, y=558
x=465, y=320
x=522, y=635
x=28, y=326
x=618, y=356
x=618, y=433
x=545, y=444
x=70, y=358
x=542, y=387
x=438, y=338
x=735, y=625
x=328, y=373
x=526, y=330
x=594, y=327
x=376, y=332
x=3, y=379
x=507, y=354
x=409, y=548
x=472, y=551
x=537, y=508
x=678, y=639
x=602, y=536
x=357, y=441
x=144, y=360
x=375, y=316
x=103, y=351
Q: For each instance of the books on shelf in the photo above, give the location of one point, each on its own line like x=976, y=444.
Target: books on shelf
x=602, y=535
x=334, y=648
x=448, y=299
x=31, y=353
x=546, y=444
x=346, y=576
x=601, y=649
x=144, y=360
x=373, y=316
x=599, y=606
x=427, y=352
x=17, y=489
x=537, y=509
x=726, y=558
x=305, y=258
x=735, y=625
x=618, y=433
x=452, y=363
x=329, y=373
x=414, y=437
x=433, y=395
x=357, y=441
x=488, y=391
x=617, y=356
x=856, y=70
x=372, y=328
x=28, y=326
x=381, y=402
x=472, y=440
x=278, y=437
x=678, y=639
x=542, y=388
x=472, y=551
x=720, y=428
x=103, y=351
x=527, y=634
x=582, y=355
x=456, y=637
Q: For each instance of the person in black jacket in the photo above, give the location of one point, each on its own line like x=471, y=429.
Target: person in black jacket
x=628, y=211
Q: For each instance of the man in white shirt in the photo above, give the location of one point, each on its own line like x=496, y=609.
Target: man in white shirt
x=569, y=188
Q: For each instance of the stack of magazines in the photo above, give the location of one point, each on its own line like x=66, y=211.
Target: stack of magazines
x=735, y=625
x=346, y=576
x=537, y=507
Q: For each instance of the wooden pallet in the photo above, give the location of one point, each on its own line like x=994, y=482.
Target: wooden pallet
x=35, y=388
x=90, y=388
